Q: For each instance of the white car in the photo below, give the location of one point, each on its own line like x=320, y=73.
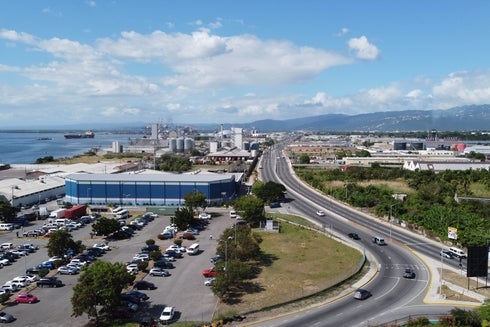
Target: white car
x=102, y=246
x=176, y=248
x=209, y=281
x=205, y=215
x=142, y=257
x=132, y=268
x=320, y=213
x=167, y=315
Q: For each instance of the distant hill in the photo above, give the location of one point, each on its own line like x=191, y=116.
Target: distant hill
x=465, y=118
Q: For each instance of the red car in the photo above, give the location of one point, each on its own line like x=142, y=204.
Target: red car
x=25, y=298
x=209, y=273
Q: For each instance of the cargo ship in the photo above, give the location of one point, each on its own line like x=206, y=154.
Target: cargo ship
x=86, y=135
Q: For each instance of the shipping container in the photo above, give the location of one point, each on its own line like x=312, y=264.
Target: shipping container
x=76, y=211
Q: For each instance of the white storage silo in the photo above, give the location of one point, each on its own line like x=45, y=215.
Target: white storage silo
x=172, y=144
x=180, y=144
x=188, y=144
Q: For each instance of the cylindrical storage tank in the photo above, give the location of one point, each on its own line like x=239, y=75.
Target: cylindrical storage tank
x=246, y=145
x=213, y=147
x=180, y=144
x=172, y=144
x=188, y=144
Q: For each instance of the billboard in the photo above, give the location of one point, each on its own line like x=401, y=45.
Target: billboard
x=477, y=263
x=452, y=233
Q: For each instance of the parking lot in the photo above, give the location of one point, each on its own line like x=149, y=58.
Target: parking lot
x=184, y=289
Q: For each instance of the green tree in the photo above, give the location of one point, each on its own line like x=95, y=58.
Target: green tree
x=268, y=192
x=484, y=312
x=106, y=226
x=175, y=163
x=60, y=242
x=7, y=211
x=250, y=208
x=195, y=200
x=99, y=285
x=183, y=218
x=156, y=255
x=304, y=159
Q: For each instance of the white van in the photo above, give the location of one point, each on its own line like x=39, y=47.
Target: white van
x=458, y=253
x=193, y=249
x=378, y=240
x=117, y=210
x=61, y=222
x=122, y=214
x=6, y=226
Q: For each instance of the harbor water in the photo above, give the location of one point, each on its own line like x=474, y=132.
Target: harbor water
x=24, y=147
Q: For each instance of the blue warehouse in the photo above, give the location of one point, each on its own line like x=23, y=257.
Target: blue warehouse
x=150, y=189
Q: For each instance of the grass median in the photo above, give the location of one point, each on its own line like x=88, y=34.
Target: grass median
x=303, y=263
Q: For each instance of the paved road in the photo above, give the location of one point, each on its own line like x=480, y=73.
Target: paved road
x=184, y=289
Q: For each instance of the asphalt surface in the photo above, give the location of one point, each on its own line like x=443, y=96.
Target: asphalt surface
x=184, y=289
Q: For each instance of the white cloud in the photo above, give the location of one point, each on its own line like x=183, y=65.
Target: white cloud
x=364, y=50
x=343, y=31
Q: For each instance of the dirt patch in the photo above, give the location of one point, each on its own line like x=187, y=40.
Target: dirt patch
x=461, y=280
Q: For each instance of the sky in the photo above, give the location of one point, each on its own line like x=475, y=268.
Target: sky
x=160, y=61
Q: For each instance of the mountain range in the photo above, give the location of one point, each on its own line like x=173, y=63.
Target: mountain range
x=464, y=118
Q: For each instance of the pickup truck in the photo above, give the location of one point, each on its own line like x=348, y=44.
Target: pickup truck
x=49, y=282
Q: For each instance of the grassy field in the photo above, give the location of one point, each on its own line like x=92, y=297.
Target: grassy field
x=303, y=263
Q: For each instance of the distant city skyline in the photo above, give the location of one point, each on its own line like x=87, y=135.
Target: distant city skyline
x=87, y=61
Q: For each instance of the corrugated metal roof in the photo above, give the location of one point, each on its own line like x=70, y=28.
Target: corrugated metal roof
x=206, y=177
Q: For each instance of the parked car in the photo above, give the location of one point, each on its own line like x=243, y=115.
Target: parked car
x=6, y=317
x=162, y=263
x=137, y=294
x=65, y=270
x=159, y=272
x=132, y=268
x=362, y=294
x=26, y=298
x=409, y=273
x=103, y=246
x=216, y=259
x=173, y=253
x=150, y=248
x=209, y=281
x=49, y=282
x=209, y=273
x=46, y=265
x=144, y=285
x=205, y=215
x=167, y=315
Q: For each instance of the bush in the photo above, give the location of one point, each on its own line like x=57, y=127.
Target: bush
x=142, y=265
x=43, y=272
x=150, y=241
x=4, y=297
x=178, y=242
x=156, y=255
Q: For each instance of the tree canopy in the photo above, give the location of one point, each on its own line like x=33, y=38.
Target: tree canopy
x=60, y=242
x=250, y=208
x=106, y=226
x=99, y=285
x=269, y=191
x=7, y=211
x=195, y=200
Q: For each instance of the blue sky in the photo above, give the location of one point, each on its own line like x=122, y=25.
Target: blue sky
x=71, y=62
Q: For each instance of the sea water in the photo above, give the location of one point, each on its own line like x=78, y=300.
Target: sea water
x=24, y=147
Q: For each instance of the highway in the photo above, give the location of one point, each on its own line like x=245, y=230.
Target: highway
x=394, y=297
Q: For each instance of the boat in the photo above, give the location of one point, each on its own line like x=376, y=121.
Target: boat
x=86, y=135
x=44, y=138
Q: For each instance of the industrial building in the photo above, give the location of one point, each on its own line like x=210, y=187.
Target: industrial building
x=145, y=189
